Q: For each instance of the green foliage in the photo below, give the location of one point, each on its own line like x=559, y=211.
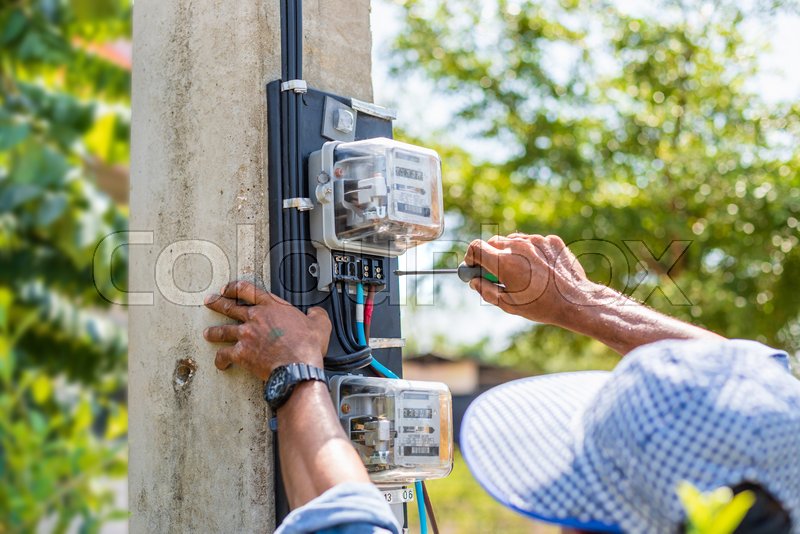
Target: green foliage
x=51, y=214
x=616, y=127
x=63, y=108
x=715, y=512
x=50, y=457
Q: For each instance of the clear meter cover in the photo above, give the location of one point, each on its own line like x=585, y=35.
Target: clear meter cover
x=401, y=429
x=387, y=194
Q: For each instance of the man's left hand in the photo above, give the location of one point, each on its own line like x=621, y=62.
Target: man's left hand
x=271, y=332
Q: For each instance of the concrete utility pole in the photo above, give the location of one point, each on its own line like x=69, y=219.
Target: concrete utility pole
x=200, y=449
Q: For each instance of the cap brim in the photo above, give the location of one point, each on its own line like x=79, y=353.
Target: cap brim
x=520, y=441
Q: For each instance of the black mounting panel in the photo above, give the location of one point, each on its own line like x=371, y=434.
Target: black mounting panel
x=308, y=128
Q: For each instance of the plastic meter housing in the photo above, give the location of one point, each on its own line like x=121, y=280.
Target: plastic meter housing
x=401, y=429
x=377, y=196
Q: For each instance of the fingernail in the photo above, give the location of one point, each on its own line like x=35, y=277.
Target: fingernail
x=208, y=298
x=222, y=289
x=205, y=333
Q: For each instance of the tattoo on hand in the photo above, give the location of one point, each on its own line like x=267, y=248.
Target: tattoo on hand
x=275, y=333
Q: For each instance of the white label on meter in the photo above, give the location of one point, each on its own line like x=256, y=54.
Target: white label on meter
x=399, y=496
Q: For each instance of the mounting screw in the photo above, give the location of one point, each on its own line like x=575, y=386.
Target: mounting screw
x=323, y=178
x=324, y=194
x=313, y=269
x=343, y=120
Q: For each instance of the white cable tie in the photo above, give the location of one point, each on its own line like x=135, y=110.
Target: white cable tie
x=299, y=203
x=298, y=86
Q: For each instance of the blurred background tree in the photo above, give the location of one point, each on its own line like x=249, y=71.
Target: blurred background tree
x=64, y=118
x=602, y=125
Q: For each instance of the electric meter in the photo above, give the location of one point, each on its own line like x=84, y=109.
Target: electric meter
x=402, y=429
x=376, y=196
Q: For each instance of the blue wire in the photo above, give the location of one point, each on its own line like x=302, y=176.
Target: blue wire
x=423, y=519
x=382, y=369
x=362, y=336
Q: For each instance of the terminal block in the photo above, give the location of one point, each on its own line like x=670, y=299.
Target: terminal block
x=367, y=270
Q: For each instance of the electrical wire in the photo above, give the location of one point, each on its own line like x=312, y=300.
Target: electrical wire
x=338, y=320
x=360, y=331
x=382, y=369
x=423, y=523
x=429, y=507
x=354, y=357
x=291, y=280
x=347, y=310
x=368, y=309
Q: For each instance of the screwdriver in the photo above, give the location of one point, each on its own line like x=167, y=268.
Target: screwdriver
x=464, y=272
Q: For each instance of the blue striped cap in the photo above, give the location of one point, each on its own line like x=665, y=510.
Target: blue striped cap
x=606, y=450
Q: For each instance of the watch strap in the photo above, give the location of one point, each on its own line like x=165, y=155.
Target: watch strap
x=303, y=371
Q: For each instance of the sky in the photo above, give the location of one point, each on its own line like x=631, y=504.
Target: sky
x=455, y=316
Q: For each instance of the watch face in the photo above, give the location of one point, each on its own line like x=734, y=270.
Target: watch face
x=278, y=384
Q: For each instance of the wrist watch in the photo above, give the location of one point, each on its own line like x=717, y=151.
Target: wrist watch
x=283, y=380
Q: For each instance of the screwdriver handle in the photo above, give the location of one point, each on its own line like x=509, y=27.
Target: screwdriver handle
x=467, y=273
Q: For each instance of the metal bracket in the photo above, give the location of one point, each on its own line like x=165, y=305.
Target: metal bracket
x=373, y=109
x=298, y=86
x=299, y=203
x=386, y=342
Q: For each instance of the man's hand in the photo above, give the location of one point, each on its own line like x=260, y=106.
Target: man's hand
x=543, y=280
x=545, y=283
x=271, y=332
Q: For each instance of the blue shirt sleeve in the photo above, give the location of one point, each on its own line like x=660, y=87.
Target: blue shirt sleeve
x=350, y=508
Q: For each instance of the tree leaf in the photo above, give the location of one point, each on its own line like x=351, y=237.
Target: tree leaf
x=13, y=195
x=14, y=26
x=51, y=208
x=12, y=134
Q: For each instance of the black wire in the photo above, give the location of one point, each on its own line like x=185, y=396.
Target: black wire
x=349, y=362
x=296, y=224
x=302, y=217
x=349, y=320
x=293, y=232
x=284, y=41
x=355, y=357
x=298, y=36
x=338, y=321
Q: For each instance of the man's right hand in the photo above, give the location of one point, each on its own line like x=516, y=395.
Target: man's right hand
x=543, y=280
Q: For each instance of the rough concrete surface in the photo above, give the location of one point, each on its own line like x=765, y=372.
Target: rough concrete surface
x=337, y=46
x=200, y=449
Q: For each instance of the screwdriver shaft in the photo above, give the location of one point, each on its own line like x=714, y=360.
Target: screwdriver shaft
x=464, y=272
x=426, y=271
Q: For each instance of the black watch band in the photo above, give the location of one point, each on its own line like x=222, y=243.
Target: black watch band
x=283, y=380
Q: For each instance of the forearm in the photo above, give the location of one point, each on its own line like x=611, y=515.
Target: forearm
x=314, y=452
x=624, y=324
